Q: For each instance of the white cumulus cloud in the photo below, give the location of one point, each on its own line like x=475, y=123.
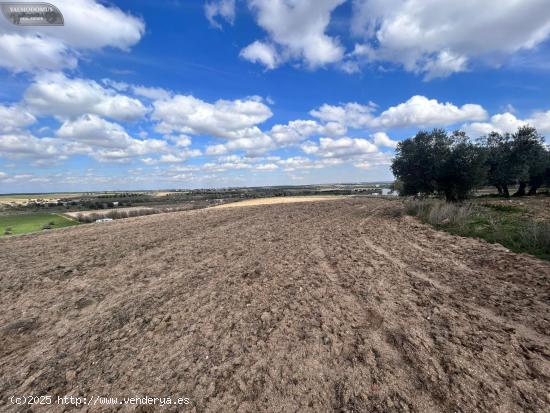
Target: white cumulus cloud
x=230, y=119
x=339, y=148
x=509, y=123
x=298, y=28
x=382, y=139
x=261, y=52
x=423, y=112
x=351, y=114
x=14, y=118
x=89, y=25
x=440, y=37
x=107, y=140
x=55, y=94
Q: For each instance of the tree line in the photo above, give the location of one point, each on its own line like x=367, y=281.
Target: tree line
x=452, y=164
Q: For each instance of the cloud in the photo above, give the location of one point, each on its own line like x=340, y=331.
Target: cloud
x=230, y=119
x=267, y=167
x=182, y=141
x=253, y=145
x=298, y=130
x=439, y=37
x=180, y=156
x=352, y=114
x=509, y=123
x=153, y=93
x=24, y=145
x=382, y=139
x=222, y=8
x=263, y=53
x=298, y=29
x=14, y=118
x=420, y=111
x=372, y=160
x=295, y=163
x=53, y=48
x=502, y=123
x=541, y=121
x=23, y=178
x=30, y=53
x=113, y=84
x=106, y=140
x=55, y=94
x=339, y=148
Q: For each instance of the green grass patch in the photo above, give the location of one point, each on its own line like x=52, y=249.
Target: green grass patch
x=504, y=208
x=24, y=223
x=502, y=224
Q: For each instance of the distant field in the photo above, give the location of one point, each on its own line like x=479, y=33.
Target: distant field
x=76, y=214
x=19, y=198
x=21, y=224
x=280, y=200
x=22, y=198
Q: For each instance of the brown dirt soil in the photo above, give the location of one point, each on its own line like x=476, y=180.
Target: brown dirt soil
x=310, y=307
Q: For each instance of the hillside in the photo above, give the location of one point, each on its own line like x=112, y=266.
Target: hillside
x=341, y=305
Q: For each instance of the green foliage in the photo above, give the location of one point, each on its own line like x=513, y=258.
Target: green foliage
x=462, y=170
x=520, y=158
x=529, y=157
x=436, y=163
x=498, y=152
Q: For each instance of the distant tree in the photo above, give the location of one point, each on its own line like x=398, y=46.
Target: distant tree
x=418, y=161
x=539, y=168
x=463, y=169
x=547, y=171
x=528, y=159
x=498, y=152
x=434, y=162
x=539, y=173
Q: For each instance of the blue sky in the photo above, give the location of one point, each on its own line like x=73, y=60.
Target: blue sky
x=186, y=94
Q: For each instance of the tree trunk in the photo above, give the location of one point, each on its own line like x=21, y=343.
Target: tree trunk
x=499, y=189
x=533, y=189
x=505, y=191
x=534, y=185
x=451, y=196
x=521, y=189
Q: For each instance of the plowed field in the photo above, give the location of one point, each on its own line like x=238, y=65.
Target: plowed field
x=341, y=305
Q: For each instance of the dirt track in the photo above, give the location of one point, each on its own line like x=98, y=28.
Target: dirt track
x=323, y=306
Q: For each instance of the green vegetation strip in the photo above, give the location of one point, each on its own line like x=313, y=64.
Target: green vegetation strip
x=505, y=225
x=24, y=223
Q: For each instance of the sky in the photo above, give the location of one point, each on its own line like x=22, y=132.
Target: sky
x=221, y=93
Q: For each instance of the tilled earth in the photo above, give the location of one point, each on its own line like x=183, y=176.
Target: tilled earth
x=340, y=305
